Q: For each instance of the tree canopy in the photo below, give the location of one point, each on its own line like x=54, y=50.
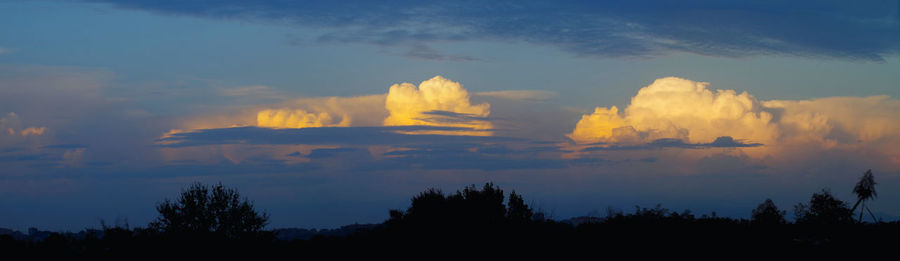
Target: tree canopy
x=213, y=210
x=823, y=209
x=865, y=191
x=768, y=214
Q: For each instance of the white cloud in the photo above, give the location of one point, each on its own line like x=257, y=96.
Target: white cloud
x=411, y=105
x=682, y=109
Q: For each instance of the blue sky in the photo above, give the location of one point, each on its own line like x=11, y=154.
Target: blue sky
x=107, y=107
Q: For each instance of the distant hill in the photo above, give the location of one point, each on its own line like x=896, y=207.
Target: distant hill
x=35, y=234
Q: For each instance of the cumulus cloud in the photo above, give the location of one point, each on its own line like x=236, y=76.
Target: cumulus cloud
x=436, y=102
x=598, y=126
x=33, y=131
x=680, y=112
x=407, y=114
x=286, y=118
x=294, y=113
x=679, y=108
x=12, y=125
x=844, y=120
x=365, y=110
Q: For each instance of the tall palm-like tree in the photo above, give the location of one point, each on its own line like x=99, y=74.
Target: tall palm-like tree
x=865, y=191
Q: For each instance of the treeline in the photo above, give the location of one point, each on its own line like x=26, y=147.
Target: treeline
x=214, y=221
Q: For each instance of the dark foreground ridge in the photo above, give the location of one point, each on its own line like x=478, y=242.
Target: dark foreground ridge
x=214, y=221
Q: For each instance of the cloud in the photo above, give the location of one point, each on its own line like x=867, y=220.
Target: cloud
x=33, y=131
x=836, y=29
x=363, y=149
x=359, y=111
x=843, y=120
x=729, y=142
x=285, y=118
x=371, y=148
x=674, y=121
x=406, y=115
x=425, y=52
x=679, y=113
x=409, y=127
x=678, y=108
x=388, y=135
x=523, y=95
x=295, y=113
x=11, y=126
x=720, y=142
x=598, y=126
x=436, y=102
x=68, y=105
x=254, y=90
x=66, y=146
x=5, y=50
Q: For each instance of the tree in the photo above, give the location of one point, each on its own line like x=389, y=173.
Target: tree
x=768, y=214
x=864, y=190
x=517, y=210
x=823, y=209
x=485, y=204
x=217, y=210
x=471, y=206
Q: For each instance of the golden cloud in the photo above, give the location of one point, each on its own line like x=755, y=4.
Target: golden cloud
x=33, y=131
x=324, y=112
x=692, y=112
x=12, y=125
x=598, y=126
x=683, y=109
x=287, y=118
x=436, y=102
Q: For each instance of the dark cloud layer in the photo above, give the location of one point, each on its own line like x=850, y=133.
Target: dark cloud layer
x=319, y=136
x=720, y=142
x=867, y=30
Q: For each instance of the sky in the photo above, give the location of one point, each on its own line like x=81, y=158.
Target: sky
x=327, y=113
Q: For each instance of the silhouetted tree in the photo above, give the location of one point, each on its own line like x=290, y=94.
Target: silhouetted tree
x=823, y=209
x=428, y=203
x=517, y=210
x=203, y=210
x=486, y=203
x=768, y=214
x=472, y=217
x=864, y=190
x=466, y=208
